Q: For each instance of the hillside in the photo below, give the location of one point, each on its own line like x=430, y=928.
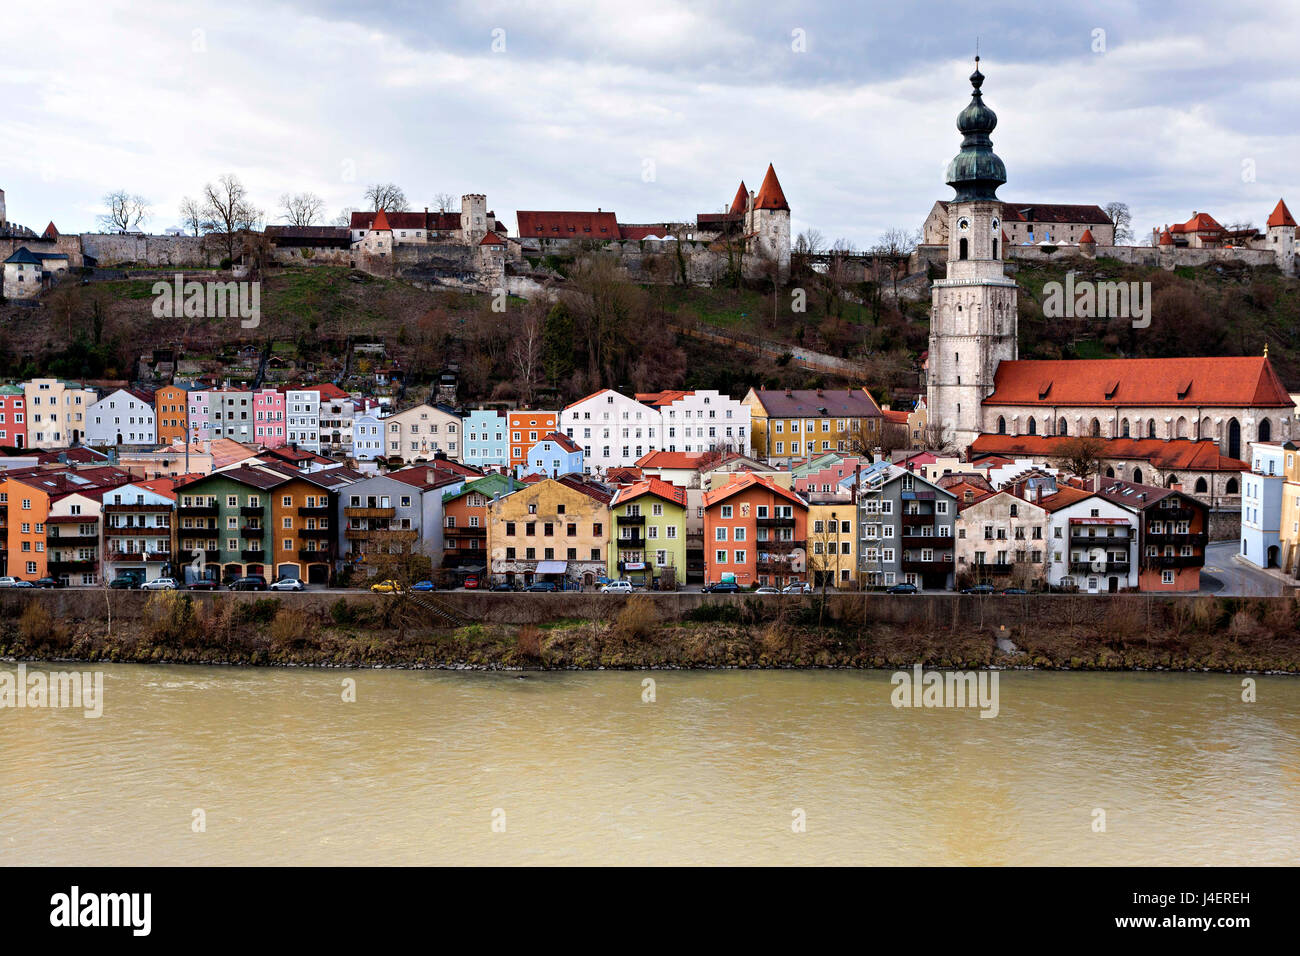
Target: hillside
x=607, y=332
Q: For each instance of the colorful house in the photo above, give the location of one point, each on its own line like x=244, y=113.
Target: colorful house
x=169, y=406
x=555, y=529
x=649, y=543
x=526, y=428
x=485, y=438
x=755, y=532
x=225, y=518
x=465, y=520
x=13, y=416
x=554, y=455
x=122, y=417
x=137, y=529
x=269, y=421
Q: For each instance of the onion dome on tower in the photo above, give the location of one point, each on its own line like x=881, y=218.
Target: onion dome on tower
x=976, y=172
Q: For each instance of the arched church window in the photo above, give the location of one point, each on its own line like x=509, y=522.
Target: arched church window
x=1201, y=486
x=1033, y=427
x=1002, y=425
x=1061, y=427
x=962, y=250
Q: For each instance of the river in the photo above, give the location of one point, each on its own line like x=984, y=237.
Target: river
x=575, y=767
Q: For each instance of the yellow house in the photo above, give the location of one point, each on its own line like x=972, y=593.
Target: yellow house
x=786, y=424
x=1289, y=527
x=832, y=541
x=556, y=529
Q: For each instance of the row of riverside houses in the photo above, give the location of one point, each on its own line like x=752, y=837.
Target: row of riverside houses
x=836, y=521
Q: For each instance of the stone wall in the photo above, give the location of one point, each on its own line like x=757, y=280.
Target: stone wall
x=1164, y=257
x=119, y=250
x=68, y=245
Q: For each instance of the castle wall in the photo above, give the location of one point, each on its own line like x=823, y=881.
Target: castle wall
x=118, y=250
x=1153, y=256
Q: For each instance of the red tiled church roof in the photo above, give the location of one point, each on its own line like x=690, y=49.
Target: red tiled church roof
x=1224, y=381
x=1179, y=453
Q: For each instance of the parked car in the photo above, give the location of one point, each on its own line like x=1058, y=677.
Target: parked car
x=425, y=585
x=203, y=584
x=543, y=586
x=617, y=587
x=798, y=588
x=978, y=589
x=386, y=587
x=471, y=582
x=48, y=583
x=249, y=582
x=1014, y=591
x=501, y=586
x=24, y=584
x=722, y=587
x=287, y=584
x=767, y=589
x=901, y=589
x=159, y=584
x=8, y=581
x=125, y=581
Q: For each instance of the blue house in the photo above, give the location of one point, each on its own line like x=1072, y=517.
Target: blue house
x=485, y=438
x=553, y=456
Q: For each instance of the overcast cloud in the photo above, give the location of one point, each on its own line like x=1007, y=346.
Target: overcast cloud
x=160, y=97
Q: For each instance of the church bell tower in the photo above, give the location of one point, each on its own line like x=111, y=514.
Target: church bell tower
x=973, y=309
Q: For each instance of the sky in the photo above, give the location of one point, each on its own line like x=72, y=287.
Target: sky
x=655, y=110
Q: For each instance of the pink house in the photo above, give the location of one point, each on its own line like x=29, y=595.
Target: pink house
x=200, y=424
x=268, y=417
x=826, y=479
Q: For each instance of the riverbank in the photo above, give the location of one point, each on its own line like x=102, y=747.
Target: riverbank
x=605, y=631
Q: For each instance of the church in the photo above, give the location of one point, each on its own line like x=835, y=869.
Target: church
x=977, y=385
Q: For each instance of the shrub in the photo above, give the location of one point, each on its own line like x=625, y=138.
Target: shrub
x=35, y=623
x=342, y=613
x=637, y=620
x=528, y=642
x=170, y=617
x=714, y=614
x=291, y=628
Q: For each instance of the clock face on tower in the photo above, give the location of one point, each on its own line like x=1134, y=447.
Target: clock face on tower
x=994, y=225
x=963, y=224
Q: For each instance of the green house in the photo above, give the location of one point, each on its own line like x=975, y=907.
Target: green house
x=649, y=534
x=223, y=524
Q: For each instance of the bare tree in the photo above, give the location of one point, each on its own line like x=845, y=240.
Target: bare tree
x=810, y=242
x=938, y=438
x=387, y=196
x=895, y=246
x=1081, y=455
x=526, y=352
x=344, y=218
x=444, y=202
x=192, y=215
x=227, y=206
x=1119, y=214
x=126, y=211
x=301, y=209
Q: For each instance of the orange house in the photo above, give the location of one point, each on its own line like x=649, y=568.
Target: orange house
x=756, y=531
x=169, y=411
x=25, y=511
x=302, y=530
x=526, y=429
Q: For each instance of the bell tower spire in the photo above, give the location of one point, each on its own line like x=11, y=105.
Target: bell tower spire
x=973, y=311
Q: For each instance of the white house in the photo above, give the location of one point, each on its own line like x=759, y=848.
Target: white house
x=302, y=411
x=613, y=430
x=137, y=532
x=420, y=433
x=1261, y=505
x=122, y=417
x=1092, y=542
x=700, y=420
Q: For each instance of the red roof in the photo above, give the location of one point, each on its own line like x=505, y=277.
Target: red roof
x=328, y=391
x=1221, y=381
x=1165, y=238
x=670, y=459
x=1065, y=496
x=1180, y=453
x=1200, y=222
x=1087, y=237
x=1280, y=216
x=744, y=480
x=563, y=441
x=898, y=416
x=52, y=233
x=492, y=239
x=381, y=223
x=659, y=399
x=567, y=225
x=431, y=221
x=651, y=486
x=742, y=199
x=770, y=195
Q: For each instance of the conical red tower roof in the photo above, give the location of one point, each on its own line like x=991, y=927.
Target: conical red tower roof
x=742, y=197
x=381, y=223
x=1281, y=216
x=770, y=195
x=1165, y=238
x=1086, y=237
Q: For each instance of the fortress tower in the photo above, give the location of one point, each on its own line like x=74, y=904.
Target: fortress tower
x=473, y=218
x=767, y=221
x=973, y=309
x=4, y=221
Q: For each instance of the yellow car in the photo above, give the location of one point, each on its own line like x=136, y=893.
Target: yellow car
x=386, y=587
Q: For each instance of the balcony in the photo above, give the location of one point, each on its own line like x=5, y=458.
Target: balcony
x=928, y=541
x=630, y=519
x=990, y=568
x=72, y=540
x=1100, y=567
x=320, y=512
x=630, y=544
x=316, y=533
x=1194, y=538
x=247, y=532
x=252, y=511
x=917, y=521
x=774, y=522
x=1172, y=514
x=1099, y=541
x=321, y=555
x=259, y=555
x=380, y=534
x=197, y=511
x=70, y=567
x=116, y=556
x=1173, y=560
x=465, y=532
x=369, y=512
x=138, y=530
x=930, y=567
x=126, y=509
